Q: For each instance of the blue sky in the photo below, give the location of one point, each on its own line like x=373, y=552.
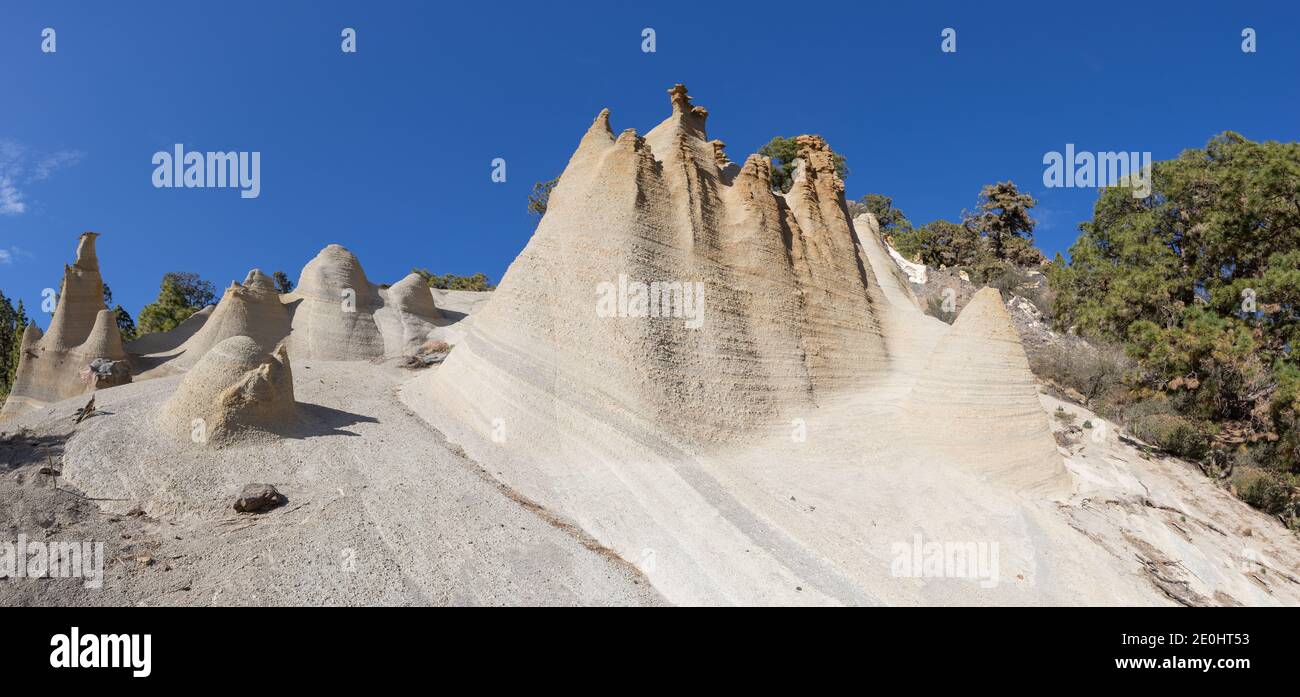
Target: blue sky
x=388, y=151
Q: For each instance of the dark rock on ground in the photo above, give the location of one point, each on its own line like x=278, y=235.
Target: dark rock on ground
x=256, y=498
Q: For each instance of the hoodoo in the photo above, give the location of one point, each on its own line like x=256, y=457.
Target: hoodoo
x=235, y=390
x=643, y=425
x=252, y=309
x=790, y=312
x=408, y=315
x=978, y=391
x=335, y=313
x=334, y=309
x=57, y=365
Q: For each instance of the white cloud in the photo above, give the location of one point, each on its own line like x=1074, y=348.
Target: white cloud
x=50, y=163
x=11, y=199
x=11, y=167
x=13, y=254
x=14, y=175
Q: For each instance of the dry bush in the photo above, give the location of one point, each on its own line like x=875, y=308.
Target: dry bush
x=433, y=346
x=1262, y=489
x=1007, y=279
x=429, y=353
x=934, y=308
x=1095, y=373
x=1176, y=435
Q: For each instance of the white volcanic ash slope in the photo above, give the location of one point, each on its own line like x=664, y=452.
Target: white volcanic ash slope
x=788, y=309
x=629, y=425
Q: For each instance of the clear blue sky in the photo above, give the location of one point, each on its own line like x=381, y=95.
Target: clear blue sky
x=388, y=151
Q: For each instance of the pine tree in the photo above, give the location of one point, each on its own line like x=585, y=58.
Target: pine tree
x=1002, y=216
x=541, y=196
x=1201, y=281
x=13, y=322
x=783, y=152
x=125, y=325
x=282, y=283
x=181, y=295
x=8, y=330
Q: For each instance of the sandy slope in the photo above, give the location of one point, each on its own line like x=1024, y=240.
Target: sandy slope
x=1163, y=521
x=819, y=521
x=803, y=523
x=367, y=483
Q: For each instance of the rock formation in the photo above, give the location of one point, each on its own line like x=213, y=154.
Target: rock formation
x=809, y=366
x=334, y=308
x=236, y=389
x=252, y=309
x=163, y=342
x=56, y=365
x=335, y=313
x=788, y=308
x=408, y=315
x=976, y=402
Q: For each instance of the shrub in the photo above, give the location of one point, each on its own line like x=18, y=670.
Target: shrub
x=1284, y=413
x=934, y=308
x=1007, y=278
x=541, y=196
x=282, y=283
x=1173, y=434
x=1095, y=373
x=433, y=346
x=1169, y=275
x=783, y=152
x=1262, y=490
x=450, y=281
x=939, y=243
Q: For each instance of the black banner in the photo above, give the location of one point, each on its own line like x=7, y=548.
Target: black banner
x=171, y=647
